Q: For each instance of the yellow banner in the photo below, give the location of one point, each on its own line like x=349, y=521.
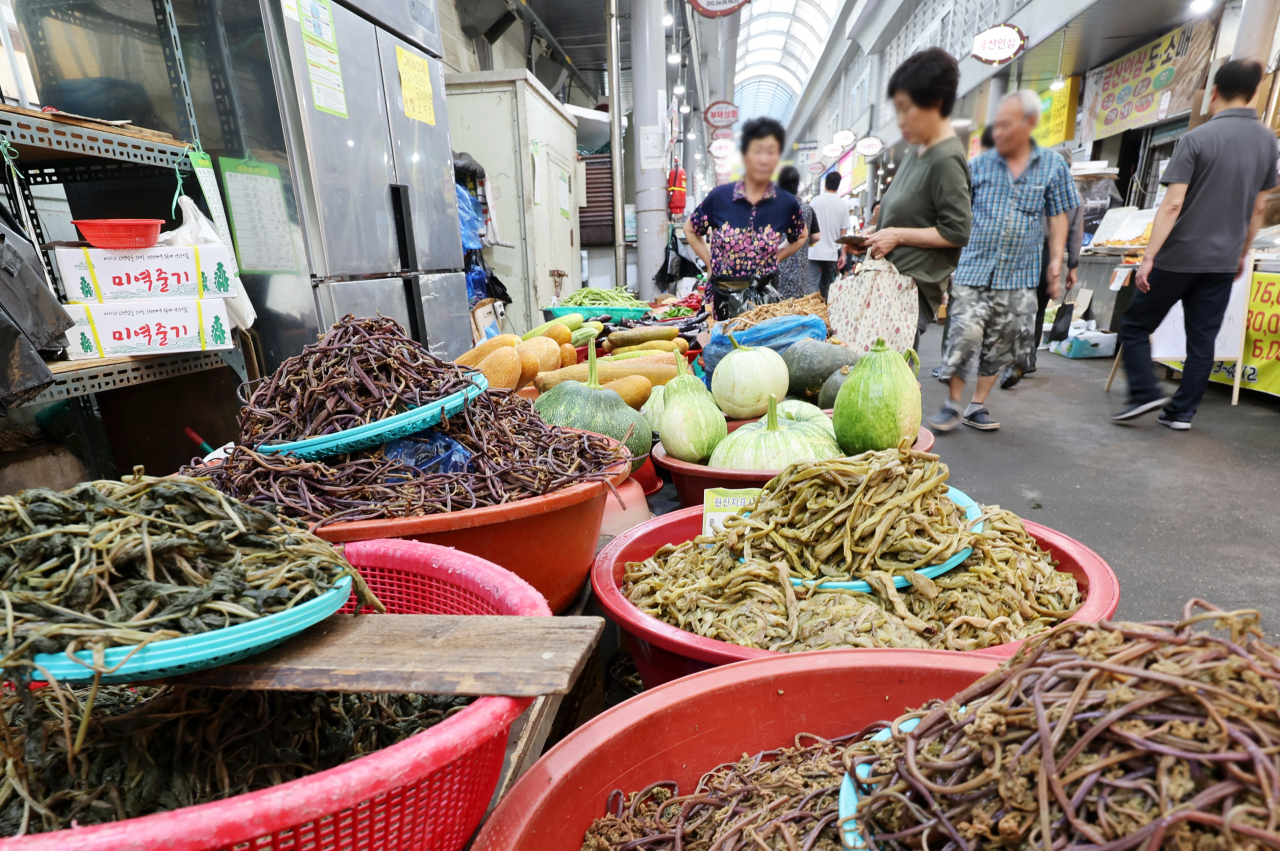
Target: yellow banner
x=1261, y=369
x=1058, y=114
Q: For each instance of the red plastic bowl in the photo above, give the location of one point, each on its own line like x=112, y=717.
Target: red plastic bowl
x=647, y=476
x=426, y=793
x=548, y=541
x=680, y=730
x=663, y=652
x=120, y=233
x=692, y=479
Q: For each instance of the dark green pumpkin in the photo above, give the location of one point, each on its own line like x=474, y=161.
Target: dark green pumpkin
x=591, y=407
x=810, y=362
x=831, y=388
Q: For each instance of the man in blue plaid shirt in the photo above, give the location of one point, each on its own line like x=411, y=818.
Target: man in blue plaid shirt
x=993, y=292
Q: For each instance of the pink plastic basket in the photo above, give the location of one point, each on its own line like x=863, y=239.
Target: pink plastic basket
x=428, y=792
x=120, y=233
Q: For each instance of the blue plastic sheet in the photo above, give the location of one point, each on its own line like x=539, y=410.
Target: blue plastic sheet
x=778, y=334
x=430, y=452
x=469, y=218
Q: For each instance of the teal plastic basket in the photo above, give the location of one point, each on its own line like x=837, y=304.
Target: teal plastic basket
x=378, y=433
x=196, y=652
x=589, y=311
x=972, y=511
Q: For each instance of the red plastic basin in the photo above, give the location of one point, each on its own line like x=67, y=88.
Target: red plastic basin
x=683, y=729
x=663, y=652
x=548, y=541
x=426, y=793
x=692, y=479
x=120, y=233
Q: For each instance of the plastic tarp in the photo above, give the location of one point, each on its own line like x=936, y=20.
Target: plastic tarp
x=30, y=319
x=778, y=334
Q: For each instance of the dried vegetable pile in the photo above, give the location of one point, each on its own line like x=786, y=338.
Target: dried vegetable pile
x=151, y=750
x=811, y=305
x=735, y=585
x=781, y=800
x=1112, y=736
x=360, y=371
x=514, y=455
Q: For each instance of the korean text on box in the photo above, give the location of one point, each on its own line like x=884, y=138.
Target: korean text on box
x=100, y=275
x=147, y=328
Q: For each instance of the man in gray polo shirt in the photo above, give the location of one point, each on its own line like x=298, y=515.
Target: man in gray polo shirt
x=1219, y=178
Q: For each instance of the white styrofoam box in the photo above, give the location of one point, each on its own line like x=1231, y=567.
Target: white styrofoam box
x=148, y=328
x=101, y=275
x=1087, y=344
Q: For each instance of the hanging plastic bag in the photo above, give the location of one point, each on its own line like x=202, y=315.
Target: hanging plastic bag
x=732, y=297
x=470, y=220
x=198, y=230
x=778, y=334
x=429, y=451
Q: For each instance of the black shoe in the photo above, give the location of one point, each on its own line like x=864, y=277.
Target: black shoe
x=1177, y=425
x=981, y=420
x=1028, y=370
x=944, y=420
x=1137, y=409
x=1012, y=375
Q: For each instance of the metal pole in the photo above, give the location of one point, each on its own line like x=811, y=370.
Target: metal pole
x=13, y=65
x=615, y=144
x=1257, y=25
x=649, y=87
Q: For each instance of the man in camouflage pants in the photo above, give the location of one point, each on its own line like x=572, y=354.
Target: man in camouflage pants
x=993, y=293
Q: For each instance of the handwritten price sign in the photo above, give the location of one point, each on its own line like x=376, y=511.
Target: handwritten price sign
x=415, y=86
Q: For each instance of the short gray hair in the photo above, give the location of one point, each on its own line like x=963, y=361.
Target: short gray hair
x=1029, y=100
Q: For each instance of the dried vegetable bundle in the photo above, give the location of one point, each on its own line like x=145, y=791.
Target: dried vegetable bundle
x=127, y=563
x=151, y=750
x=514, y=454
x=1111, y=736
x=360, y=371
x=811, y=305
x=782, y=800
x=847, y=518
x=1006, y=591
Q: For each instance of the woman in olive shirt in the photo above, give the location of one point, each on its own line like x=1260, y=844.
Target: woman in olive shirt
x=926, y=214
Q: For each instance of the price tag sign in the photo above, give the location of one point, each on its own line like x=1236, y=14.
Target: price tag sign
x=719, y=503
x=415, y=86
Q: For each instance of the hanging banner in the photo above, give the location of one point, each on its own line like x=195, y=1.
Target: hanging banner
x=807, y=153
x=1151, y=84
x=998, y=45
x=717, y=8
x=721, y=114
x=1058, y=115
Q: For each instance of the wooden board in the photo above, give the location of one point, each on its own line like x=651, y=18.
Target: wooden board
x=424, y=654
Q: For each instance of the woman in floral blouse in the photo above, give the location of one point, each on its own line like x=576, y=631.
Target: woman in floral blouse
x=738, y=230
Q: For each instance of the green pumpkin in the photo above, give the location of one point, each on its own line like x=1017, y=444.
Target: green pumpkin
x=692, y=425
x=809, y=362
x=775, y=442
x=803, y=412
x=652, y=409
x=591, y=407
x=831, y=387
x=879, y=404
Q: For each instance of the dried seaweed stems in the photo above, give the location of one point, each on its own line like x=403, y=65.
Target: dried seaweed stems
x=361, y=371
x=514, y=455
x=811, y=305
x=1112, y=736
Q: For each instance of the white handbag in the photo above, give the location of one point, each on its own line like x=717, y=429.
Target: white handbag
x=877, y=302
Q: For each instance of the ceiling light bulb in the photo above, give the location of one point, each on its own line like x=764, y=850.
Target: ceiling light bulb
x=678, y=91
x=667, y=20
x=1201, y=6
x=684, y=108
x=673, y=58
x=1058, y=84
x=698, y=156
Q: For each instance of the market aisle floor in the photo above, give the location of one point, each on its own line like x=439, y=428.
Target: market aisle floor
x=1176, y=514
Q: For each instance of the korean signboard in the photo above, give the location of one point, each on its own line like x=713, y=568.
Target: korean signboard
x=1058, y=114
x=717, y=8
x=721, y=114
x=998, y=45
x=853, y=172
x=1151, y=84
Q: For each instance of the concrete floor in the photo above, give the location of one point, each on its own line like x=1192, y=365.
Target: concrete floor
x=1176, y=514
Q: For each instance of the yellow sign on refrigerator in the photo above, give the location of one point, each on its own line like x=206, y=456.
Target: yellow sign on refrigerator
x=415, y=86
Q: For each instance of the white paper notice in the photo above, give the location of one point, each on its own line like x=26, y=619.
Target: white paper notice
x=652, y=148
x=263, y=238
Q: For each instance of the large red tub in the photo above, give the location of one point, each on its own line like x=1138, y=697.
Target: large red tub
x=548, y=541
x=680, y=730
x=691, y=480
x=663, y=652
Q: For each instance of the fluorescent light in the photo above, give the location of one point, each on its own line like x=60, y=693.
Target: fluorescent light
x=961, y=123
x=691, y=136
x=1059, y=84
x=673, y=58
x=678, y=91
x=698, y=156
x=667, y=20
x=684, y=108
x=1199, y=7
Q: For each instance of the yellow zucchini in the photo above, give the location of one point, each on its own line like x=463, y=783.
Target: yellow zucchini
x=636, y=336
x=547, y=351
x=657, y=373
x=502, y=368
x=634, y=389
x=486, y=348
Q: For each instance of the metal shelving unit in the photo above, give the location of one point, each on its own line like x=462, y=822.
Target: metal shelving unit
x=82, y=377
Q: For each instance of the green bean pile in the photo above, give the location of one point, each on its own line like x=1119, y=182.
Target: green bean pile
x=600, y=297
x=150, y=750
x=1112, y=736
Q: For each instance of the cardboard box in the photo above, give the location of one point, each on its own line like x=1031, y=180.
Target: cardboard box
x=100, y=275
x=148, y=328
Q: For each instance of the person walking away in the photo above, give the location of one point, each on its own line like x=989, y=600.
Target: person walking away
x=793, y=272
x=1025, y=364
x=993, y=303
x=738, y=229
x=925, y=215
x=1219, y=177
x=833, y=222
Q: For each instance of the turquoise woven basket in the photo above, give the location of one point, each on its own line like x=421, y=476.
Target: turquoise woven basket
x=591, y=310
x=197, y=652
x=378, y=433
x=972, y=511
